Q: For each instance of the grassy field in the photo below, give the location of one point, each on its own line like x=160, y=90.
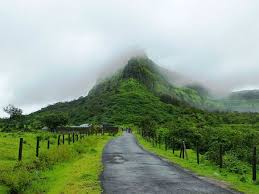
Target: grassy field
x=241, y=183
x=73, y=168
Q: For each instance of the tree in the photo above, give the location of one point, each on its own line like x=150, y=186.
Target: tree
x=148, y=126
x=13, y=111
x=54, y=120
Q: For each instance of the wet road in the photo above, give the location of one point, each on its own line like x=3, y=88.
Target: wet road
x=130, y=169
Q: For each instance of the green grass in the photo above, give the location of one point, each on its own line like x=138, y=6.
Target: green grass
x=206, y=168
x=80, y=175
x=9, y=143
x=3, y=189
x=66, y=168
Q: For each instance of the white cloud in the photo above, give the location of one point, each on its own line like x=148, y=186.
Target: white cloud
x=54, y=50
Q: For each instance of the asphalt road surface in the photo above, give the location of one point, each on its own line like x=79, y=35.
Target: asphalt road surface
x=130, y=169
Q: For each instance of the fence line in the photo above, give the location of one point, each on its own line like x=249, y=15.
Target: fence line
x=171, y=144
x=75, y=137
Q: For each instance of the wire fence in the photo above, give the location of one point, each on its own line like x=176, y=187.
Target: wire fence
x=173, y=143
x=63, y=135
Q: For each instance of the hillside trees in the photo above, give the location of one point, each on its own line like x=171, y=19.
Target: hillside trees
x=54, y=120
x=141, y=70
x=13, y=111
x=148, y=126
x=16, y=120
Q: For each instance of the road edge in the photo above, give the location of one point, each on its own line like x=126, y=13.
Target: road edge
x=101, y=176
x=211, y=181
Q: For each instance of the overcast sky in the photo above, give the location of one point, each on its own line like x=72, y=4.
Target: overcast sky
x=54, y=50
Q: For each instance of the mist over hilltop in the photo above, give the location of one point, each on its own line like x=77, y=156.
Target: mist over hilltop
x=56, y=57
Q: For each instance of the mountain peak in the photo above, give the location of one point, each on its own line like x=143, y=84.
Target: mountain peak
x=142, y=69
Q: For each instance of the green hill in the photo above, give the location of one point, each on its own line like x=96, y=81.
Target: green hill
x=139, y=90
x=245, y=95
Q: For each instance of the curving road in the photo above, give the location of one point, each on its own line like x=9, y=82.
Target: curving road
x=130, y=169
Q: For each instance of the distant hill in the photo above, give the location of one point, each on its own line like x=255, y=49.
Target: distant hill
x=138, y=89
x=245, y=95
x=141, y=88
x=242, y=101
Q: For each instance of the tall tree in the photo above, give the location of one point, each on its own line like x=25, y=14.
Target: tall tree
x=13, y=111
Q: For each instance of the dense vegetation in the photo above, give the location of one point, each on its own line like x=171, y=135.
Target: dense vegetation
x=140, y=95
x=241, y=182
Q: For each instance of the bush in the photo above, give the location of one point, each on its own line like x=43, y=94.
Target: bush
x=232, y=164
x=80, y=148
x=52, y=156
x=17, y=179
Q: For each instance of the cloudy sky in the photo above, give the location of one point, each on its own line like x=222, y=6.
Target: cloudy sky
x=54, y=50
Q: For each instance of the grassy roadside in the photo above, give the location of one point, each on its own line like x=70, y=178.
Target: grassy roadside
x=80, y=175
x=3, y=189
x=66, y=168
x=205, y=168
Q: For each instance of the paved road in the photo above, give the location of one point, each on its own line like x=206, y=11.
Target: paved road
x=130, y=169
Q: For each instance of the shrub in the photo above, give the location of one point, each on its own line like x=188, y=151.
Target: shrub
x=232, y=164
x=52, y=156
x=17, y=179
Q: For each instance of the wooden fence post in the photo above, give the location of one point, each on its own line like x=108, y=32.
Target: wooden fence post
x=173, y=145
x=63, y=139
x=159, y=141
x=220, y=156
x=37, y=146
x=58, y=140
x=69, y=139
x=198, y=153
x=166, y=141
x=73, y=137
x=20, y=149
x=48, y=144
x=183, y=150
x=254, y=163
x=76, y=137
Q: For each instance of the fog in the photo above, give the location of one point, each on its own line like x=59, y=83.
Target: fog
x=54, y=51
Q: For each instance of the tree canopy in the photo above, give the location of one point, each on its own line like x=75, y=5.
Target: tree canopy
x=54, y=120
x=13, y=111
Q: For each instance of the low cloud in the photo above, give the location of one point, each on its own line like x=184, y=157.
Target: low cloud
x=53, y=51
